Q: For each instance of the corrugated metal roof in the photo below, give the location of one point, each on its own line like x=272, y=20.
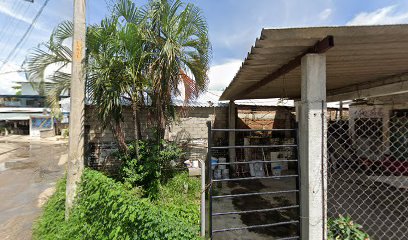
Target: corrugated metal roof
x=211, y=99
x=206, y=99
x=360, y=54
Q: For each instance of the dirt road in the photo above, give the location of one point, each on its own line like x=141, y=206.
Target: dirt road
x=29, y=170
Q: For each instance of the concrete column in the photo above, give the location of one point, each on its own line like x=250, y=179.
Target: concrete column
x=232, y=117
x=313, y=147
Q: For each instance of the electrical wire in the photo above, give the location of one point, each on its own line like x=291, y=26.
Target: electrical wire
x=16, y=71
x=5, y=17
x=18, y=27
x=26, y=33
x=13, y=25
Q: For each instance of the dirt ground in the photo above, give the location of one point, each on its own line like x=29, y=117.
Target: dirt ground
x=255, y=203
x=29, y=169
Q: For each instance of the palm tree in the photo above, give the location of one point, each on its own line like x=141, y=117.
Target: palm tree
x=177, y=38
x=134, y=52
x=176, y=52
x=106, y=82
x=115, y=55
x=54, y=53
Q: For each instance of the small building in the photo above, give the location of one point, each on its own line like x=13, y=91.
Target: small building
x=26, y=113
x=385, y=118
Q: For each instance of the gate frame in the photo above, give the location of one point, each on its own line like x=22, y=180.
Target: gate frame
x=210, y=181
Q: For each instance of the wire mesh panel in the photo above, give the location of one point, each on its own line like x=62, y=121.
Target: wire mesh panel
x=368, y=174
x=256, y=195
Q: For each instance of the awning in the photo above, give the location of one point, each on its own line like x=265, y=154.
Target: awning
x=18, y=116
x=363, y=57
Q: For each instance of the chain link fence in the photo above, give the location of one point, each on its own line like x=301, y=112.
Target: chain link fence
x=368, y=174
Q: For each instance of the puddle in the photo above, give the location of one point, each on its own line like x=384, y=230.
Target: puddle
x=2, y=167
x=16, y=165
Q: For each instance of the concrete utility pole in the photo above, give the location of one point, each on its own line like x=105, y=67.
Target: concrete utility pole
x=76, y=120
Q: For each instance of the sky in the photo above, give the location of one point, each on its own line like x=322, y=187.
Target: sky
x=233, y=26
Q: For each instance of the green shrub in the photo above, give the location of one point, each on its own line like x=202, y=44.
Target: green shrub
x=343, y=228
x=52, y=224
x=146, y=171
x=107, y=209
x=182, y=195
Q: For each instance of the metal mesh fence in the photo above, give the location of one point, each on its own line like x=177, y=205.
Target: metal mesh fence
x=256, y=196
x=368, y=174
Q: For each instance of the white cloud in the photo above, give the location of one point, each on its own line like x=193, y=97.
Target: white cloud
x=325, y=14
x=386, y=15
x=6, y=9
x=8, y=77
x=221, y=75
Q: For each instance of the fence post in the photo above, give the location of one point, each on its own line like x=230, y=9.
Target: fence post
x=203, y=213
x=209, y=182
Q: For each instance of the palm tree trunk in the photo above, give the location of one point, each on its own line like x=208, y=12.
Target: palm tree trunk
x=117, y=131
x=136, y=129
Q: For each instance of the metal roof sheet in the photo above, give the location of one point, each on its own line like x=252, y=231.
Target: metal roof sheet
x=361, y=54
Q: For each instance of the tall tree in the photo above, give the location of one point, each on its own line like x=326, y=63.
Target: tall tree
x=135, y=53
x=177, y=36
x=177, y=52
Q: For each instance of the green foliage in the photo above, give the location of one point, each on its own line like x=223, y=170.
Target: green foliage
x=107, y=209
x=65, y=133
x=152, y=166
x=51, y=224
x=343, y=228
x=138, y=53
x=181, y=194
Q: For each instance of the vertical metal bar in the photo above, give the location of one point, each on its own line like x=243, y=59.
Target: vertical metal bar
x=298, y=178
x=209, y=166
x=203, y=183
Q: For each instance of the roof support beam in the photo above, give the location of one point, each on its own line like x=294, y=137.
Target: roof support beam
x=384, y=87
x=320, y=47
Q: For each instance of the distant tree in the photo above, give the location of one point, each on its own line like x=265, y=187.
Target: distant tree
x=18, y=90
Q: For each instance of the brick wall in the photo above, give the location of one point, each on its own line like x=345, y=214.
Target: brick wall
x=262, y=117
x=191, y=129
x=193, y=126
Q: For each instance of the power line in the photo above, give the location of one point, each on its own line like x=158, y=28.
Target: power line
x=8, y=24
x=13, y=27
x=16, y=71
x=26, y=33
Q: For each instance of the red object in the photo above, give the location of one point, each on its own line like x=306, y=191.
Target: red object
x=395, y=167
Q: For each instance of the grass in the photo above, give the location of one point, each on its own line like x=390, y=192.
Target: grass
x=108, y=209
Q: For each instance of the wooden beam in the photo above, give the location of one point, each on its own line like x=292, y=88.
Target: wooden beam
x=320, y=47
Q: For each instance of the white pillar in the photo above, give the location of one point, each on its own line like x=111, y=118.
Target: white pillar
x=297, y=110
x=312, y=146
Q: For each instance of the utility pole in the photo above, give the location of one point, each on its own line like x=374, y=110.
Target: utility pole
x=76, y=119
